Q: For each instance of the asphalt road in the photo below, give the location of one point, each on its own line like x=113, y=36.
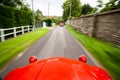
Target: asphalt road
x=58, y=42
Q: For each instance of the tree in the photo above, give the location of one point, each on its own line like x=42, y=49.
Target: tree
x=12, y=3
x=75, y=9
x=111, y=5
x=100, y=3
x=38, y=17
x=48, y=21
x=87, y=9
x=25, y=7
x=14, y=17
x=66, y=10
x=57, y=20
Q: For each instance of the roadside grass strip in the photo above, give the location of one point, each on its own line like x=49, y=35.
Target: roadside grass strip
x=107, y=54
x=13, y=46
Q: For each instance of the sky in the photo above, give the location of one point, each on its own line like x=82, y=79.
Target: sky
x=55, y=6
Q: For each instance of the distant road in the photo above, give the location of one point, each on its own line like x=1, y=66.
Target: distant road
x=58, y=42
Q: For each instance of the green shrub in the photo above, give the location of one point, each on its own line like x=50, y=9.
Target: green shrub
x=11, y=17
x=48, y=21
x=6, y=17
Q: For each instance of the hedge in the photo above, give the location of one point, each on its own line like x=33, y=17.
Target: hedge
x=48, y=21
x=11, y=17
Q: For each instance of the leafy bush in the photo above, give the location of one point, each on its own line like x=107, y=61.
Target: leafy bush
x=48, y=21
x=22, y=17
x=6, y=17
x=11, y=17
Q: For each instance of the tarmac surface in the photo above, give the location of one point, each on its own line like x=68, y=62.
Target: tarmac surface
x=58, y=42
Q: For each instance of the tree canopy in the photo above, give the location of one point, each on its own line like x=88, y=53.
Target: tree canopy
x=11, y=17
x=111, y=5
x=76, y=8
x=16, y=13
x=100, y=3
x=12, y=3
x=38, y=16
x=87, y=9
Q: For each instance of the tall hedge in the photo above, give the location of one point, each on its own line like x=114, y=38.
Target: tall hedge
x=48, y=21
x=11, y=17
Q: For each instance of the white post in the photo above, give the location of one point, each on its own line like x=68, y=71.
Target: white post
x=33, y=29
x=33, y=15
x=44, y=24
x=28, y=29
x=14, y=31
x=2, y=35
x=22, y=29
x=70, y=11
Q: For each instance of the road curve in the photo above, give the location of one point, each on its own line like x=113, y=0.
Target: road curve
x=58, y=42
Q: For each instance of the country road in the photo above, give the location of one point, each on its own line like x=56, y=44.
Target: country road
x=58, y=42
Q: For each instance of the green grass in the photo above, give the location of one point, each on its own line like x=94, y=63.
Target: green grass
x=12, y=47
x=108, y=55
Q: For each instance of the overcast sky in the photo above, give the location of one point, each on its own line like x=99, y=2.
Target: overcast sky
x=55, y=6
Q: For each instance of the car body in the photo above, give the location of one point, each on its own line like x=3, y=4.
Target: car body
x=58, y=68
x=62, y=24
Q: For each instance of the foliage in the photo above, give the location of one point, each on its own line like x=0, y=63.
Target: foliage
x=22, y=18
x=12, y=47
x=100, y=3
x=12, y=3
x=107, y=54
x=75, y=9
x=6, y=17
x=66, y=10
x=10, y=17
x=25, y=7
x=16, y=4
x=57, y=20
x=87, y=9
x=38, y=16
x=113, y=4
x=48, y=21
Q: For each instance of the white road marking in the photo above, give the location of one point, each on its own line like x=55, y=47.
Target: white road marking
x=18, y=56
x=15, y=59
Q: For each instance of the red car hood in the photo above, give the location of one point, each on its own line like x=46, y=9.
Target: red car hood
x=58, y=69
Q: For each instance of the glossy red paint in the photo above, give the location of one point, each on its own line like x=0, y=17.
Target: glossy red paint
x=58, y=69
x=83, y=58
x=32, y=59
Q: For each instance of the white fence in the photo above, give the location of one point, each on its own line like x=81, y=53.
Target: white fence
x=14, y=31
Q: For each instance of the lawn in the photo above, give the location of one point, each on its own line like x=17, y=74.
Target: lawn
x=13, y=46
x=108, y=55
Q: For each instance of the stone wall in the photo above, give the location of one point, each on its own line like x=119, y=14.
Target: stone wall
x=105, y=26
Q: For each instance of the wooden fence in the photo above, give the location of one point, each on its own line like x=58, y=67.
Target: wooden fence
x=14, y=31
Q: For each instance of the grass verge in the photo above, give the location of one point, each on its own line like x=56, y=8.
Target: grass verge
x=107, y=54
x=12, y=47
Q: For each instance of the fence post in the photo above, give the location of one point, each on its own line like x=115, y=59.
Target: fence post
x=33, y=27
x=22, y=29
x=28, y=28
x=2, y=35
x=14, y=31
